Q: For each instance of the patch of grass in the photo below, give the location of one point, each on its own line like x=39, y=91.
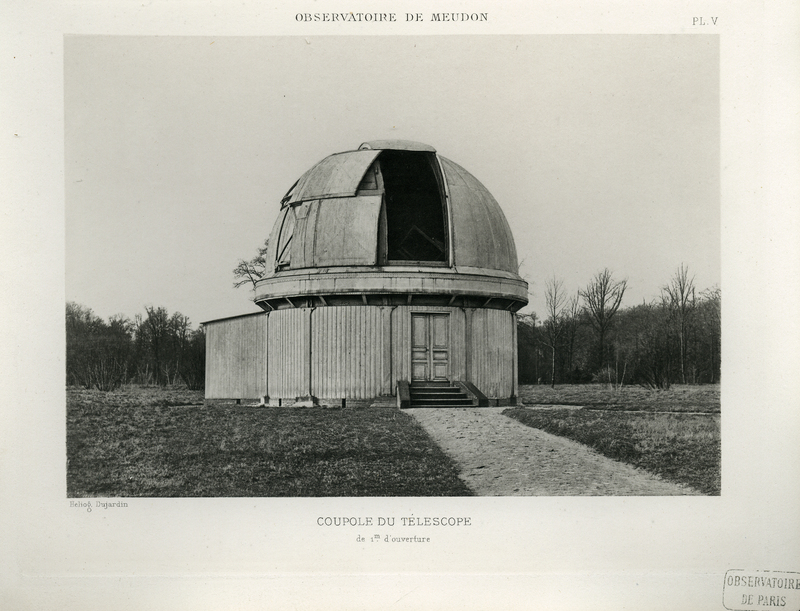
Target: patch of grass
x=679, y=398
x=166, y=443
x=682, y=448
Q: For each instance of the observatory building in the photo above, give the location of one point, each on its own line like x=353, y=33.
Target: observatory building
x=390, y=268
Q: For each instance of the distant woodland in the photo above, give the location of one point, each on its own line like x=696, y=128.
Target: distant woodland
x=583, y=337
x=590, y=337
x=155, y=348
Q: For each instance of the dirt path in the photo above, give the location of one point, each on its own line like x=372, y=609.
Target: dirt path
x=499, y=456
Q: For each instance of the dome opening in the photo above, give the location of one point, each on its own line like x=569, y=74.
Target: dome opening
x=415, y=221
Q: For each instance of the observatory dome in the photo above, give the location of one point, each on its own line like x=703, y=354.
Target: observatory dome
x=391, y=272
x=388, y=221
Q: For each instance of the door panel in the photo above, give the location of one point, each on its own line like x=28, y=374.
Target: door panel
x=430, y=347
x=439, y=330
x=419, y=330
x=440, y=334
x=419, y=372
x=420, y=352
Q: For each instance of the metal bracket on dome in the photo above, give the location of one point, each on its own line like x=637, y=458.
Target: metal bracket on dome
x=285, y=199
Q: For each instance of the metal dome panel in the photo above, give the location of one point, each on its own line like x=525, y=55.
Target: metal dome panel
x=305, y=234
x=350, y=235
x=335, y=176
x=481, y=235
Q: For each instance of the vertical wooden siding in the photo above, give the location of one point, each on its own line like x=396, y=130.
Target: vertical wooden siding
x=288, y=348
x=492, y=352
x=356, y=352
x=236, y=358
x=401, y=344
x=348, y=356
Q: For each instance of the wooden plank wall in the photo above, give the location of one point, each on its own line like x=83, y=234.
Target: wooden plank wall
x=348, y=358
x=236, y=358
x=357, y=352
x=491, y=352
x=401, y=343
x=289, y=342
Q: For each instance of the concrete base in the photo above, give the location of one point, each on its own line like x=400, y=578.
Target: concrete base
x=385, y=401
x=306, y=402
x=332, y=403
x=233, y=403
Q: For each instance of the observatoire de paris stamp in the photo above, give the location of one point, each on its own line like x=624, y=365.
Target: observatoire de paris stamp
x=757, y=590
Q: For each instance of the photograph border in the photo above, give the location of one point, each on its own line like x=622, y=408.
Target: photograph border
x=182, y=553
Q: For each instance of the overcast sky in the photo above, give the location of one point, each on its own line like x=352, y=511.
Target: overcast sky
x=602, y=150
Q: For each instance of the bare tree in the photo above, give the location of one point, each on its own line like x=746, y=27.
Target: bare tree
x=97, y=352
x=573, y=320
x=156, y=330
x=253, y=270
x=556, y=300
x=601, y=300
x=647, y=345
x=679, y=298
x=180, y=328
x=710, y=315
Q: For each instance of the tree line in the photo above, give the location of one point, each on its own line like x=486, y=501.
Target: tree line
x=590, y=337
x=154, y=348
x=585, y=337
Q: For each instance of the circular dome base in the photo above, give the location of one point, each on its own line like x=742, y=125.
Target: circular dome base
x=471, y=287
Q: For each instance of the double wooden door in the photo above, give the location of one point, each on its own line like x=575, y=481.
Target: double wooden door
x=430, y=350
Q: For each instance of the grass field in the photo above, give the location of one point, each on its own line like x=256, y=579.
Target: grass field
x=157, y=442
x=163, y=442
x=681, y=447
x=678, y=398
